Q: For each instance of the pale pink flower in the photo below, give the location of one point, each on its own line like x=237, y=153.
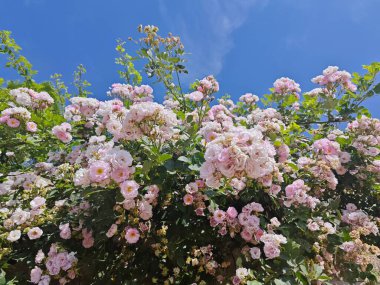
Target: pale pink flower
x=274, y=189
x=191, y=188
x=71, y=274
x=129, y=189
x=35, y=275
x=112, y=231
x=256, y=207
x=31, y=127
x=286, y=85
x=199, y=211
x=271, y=250
x=39, y=256
x=62, y=132
x=246, y=235
x=45, y=280
x=14, y=235
x=35, y=233
x=4, y=119
x=275, y=222
x=120, y=174
x=13, y=123
x=188, y=199
x=351, y=207
x=37, y=202
x=195, y=96
x=255, y=252
x=145, y=210
x=313, y=226
x=236, y=280
x=129, y=204
x=347, y=246
x=99, y=171
x=219, y=216
x=231, y=212
x=242, y=272
x=65, y=231
x=132, y=235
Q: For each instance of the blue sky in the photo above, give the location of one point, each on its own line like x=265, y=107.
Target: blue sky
x=247, y=44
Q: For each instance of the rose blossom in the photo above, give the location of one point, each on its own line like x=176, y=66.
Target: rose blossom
x=120, y=174
x=13, y=123
x=111, y=231
x=35, y=275
x=242, y=272
x=255, y=252
x=99, y=171
x=347, y=246
x=195, y=96
x=231, y=212
x=39, y=256
x=132, y=235
x=35, y=233
x=45, y=280
x=65, y=231
x=14, y=235
x=271, y=250
x=188, y=199
x=219, y=216
x=31, y=127
x=129, y=189
x=37, y=202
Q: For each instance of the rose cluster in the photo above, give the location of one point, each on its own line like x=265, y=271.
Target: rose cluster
x=238, y=154
x=135, y=94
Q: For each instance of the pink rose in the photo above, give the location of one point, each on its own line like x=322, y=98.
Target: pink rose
x=111, y=231
x=65, y=231
x=255, y=252
x=271, y=250
x=132, y=235
x=120, y=174
x=129, y=189
x=231, y=212
x=31, y=127
x=219, y=216
x=13, y=123
x=35, y=233
x=188, y=199
x=35, y=275
x=99, y=171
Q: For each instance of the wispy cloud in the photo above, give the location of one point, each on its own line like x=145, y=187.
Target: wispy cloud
x=206, y=28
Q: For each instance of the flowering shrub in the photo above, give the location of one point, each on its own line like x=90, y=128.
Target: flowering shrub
x=191, y=191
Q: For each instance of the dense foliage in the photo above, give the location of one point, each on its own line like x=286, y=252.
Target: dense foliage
x=194, y=190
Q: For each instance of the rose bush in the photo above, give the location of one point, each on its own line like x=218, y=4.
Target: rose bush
x=191, y=191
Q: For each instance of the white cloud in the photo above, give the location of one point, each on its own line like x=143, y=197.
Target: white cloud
x=206, y=28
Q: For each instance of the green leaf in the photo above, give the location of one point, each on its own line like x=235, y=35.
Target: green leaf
x=239, y=262
x=184, y=159
x=148, y=164
x=376, y=89
x=194, y=167
x=164, y=157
